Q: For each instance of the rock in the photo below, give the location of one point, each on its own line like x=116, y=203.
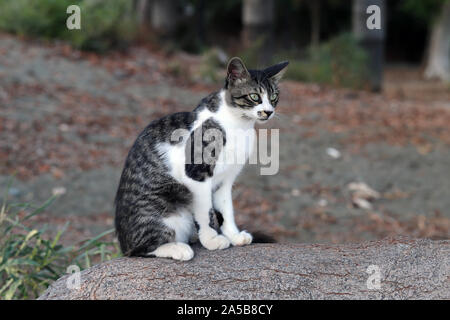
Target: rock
x=334, y=153
x=361, y=203
x=362, y=194
x=362, y=190
x=394, y=268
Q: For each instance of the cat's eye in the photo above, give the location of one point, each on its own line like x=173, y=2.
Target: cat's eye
x=254, y=97
x=273, y=96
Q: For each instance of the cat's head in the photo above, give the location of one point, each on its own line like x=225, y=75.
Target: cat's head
x=253, y=94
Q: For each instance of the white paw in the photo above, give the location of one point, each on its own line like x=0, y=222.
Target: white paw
x=241, y=239
x=174, y=250
x=215, y=242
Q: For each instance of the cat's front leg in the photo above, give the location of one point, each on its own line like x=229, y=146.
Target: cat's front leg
x=202, y=208
x=223, y=202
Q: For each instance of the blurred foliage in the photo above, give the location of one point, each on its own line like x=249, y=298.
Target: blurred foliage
x=251, y=54
x=104, y=24
x=44, y=18
x=30, y=259
x=202, y=19
x=213, y=63
x=207, y=24
x=426, y=11
x=220, y=13
x=340, y=62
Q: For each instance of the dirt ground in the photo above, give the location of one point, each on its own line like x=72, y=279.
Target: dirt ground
x=67, y=120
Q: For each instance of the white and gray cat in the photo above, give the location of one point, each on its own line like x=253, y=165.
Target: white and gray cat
x=165, y=196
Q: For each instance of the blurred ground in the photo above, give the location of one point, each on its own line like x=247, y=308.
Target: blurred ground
x=67, y=120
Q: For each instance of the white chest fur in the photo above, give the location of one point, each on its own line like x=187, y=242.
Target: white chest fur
x=240, y=138
x=235, y=152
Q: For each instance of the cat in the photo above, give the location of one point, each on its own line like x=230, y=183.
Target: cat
x=166, y=197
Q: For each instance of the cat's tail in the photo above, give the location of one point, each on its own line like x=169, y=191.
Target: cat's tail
x=261, y=237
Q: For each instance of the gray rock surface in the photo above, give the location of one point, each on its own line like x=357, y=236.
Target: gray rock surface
x=409, y=269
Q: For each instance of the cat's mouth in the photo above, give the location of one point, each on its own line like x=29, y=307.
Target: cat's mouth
x=263, y=120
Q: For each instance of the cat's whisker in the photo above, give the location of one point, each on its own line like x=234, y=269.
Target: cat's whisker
x=285, y=119
x=281, y=116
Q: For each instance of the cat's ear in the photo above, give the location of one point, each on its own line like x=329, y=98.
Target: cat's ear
x=237, y=72
x=276, y=71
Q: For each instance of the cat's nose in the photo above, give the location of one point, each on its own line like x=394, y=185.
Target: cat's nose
x=268, y=113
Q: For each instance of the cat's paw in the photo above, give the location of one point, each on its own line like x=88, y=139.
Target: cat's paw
x=241, y=239
x=174, y=250
x=216, y=242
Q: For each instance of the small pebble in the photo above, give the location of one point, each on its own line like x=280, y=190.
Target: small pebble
x=64, y=127
x=57, y=191
x=334, y=153
x=14, y=192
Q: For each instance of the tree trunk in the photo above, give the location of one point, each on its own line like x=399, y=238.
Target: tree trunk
x=438, y=61
x=397, y=268
x=164, y=16
x=257, y=18
x=314, y=6
x=258, y=12
x=142, y=9
x=372, y=40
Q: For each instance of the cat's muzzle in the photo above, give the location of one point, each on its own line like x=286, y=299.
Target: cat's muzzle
x=264, y=115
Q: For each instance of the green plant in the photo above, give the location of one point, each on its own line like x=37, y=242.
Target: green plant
x=251, y=54
x=340, y=62
x=104, y=24
x=43, y=18
x=30, y=259
x=212, y=66
x=426, y=11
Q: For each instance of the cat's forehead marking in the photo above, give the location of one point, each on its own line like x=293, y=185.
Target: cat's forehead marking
x=250, y=87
